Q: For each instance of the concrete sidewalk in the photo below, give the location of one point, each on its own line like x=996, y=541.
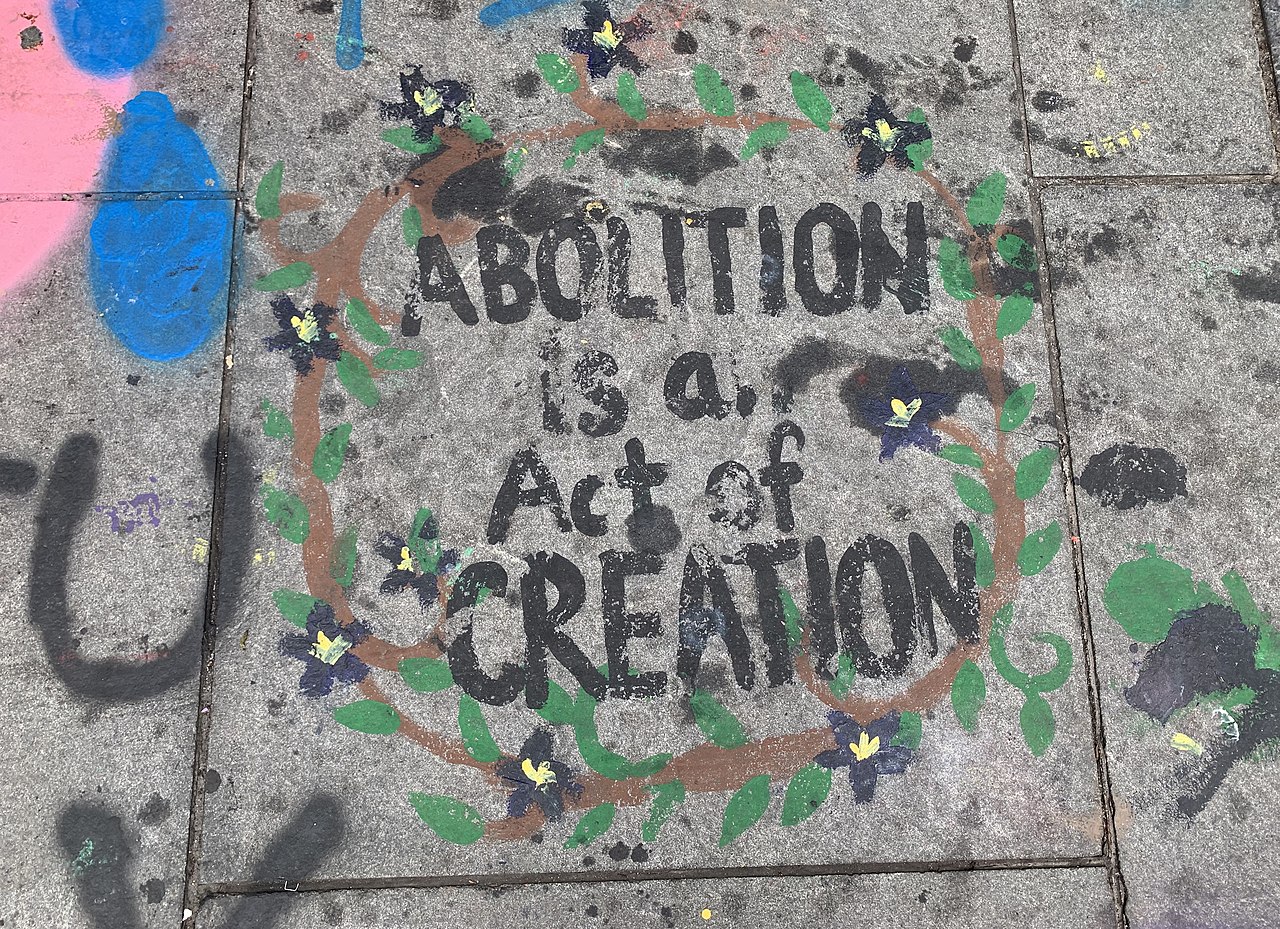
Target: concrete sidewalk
x=664, y=466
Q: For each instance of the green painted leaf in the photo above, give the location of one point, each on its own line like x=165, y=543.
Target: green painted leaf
x=371, y=716
x=806, y=792
x=559, y=708
x=424, y=540
x=326, y=464
x=1146, y=595
x=953, y=266
x=448, y=818
x=973, y=493
x=910, y=729
x=987, y=202
x=918, y=153
x=715, y=97
x=1037, y=722
x=1050, y=680
x=842, y=683
x=984, y=565
x=767, y=136
x=812, y=102
x=558, y=73
x=968, y=693
x=342, y=566
x=1267, y=654
x=1017, y=251
x=962, y=350
x=266, y=202
x=402, y=137
x=287, y=513
x=362, y=320
x=426, y=675
x=1015, y=312
x=286, y=278
x=294, y=606
x=1017, y=407
x=411, y=226
x=1033, y=472
x=355, y=377
x=397, y=359
x=604, y=761
x=593, y=825
x=629, y=97
x=719, y=725
x=475, y=126
x=666, y=797
x=475, y=731
x=791, y=616
x=745, y=808
x=583, y=144
x=961, y=455
x=276, y=424
x=513, y=161
x=1038, y=549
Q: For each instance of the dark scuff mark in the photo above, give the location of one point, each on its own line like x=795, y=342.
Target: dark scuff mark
x=1105, y=243
x=154, y=890
x=1263, y=286
x=323, y=7
x=679, y=154
x=684, y=44
x=872, y=71
x=807, y=359
x=98, y=853
x=1130, y=476
x=478, y=191
x=1047, y=101
x=653, y=529
x=965, y=46
x=31, y=38
x=748, y=92
x=340, y=120
x=527, y=84
x=17, y=476
x=542, y=202
x=156, y=810
x=437, y=9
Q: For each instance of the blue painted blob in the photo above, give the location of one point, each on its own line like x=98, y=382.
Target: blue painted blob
x=159, y=269
x=350, y=46
x=503, y=11
x=109, y=37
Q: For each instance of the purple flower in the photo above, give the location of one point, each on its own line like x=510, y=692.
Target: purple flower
x=880, y=136
x=327, y=650
x=865, y=752
x=428, y=105
x=604, y=40
x=304, y=334
x=418, y=562
x=537, y=778
x=902, y=418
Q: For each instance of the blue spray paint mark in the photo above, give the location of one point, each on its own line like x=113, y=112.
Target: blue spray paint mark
x=159, y=268
x=503, y=11
x=350, y=47
x=109, y=37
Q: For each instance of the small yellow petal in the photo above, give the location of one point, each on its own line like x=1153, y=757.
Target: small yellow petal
x=1184, y=743
x=406, y=560
x=899, y=408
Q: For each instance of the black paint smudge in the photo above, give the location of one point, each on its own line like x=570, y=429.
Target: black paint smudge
x=653, y=529
x=1263, y=286
x=17, y=476
x=156, y=810
x=807, y=359
x=323, y=7
x=478, y=191
x=542, y=202
x=1046, y=101
x=97, y=849
x=679, y=154
x=965, y=47
x=154, y=889
x=684, y=44
x=31, y=38
x=527, y=84
x=1129, y=476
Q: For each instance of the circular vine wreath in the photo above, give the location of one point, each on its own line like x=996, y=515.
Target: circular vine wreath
x=868, y=737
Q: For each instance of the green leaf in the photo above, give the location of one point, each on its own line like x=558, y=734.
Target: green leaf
x=593, y=825
x=474, y=125
x=953, y=266
x=1146, y=595
x=326, y=464
x=425, y=549
x=962, y=350
x=411, y=226
x=475, y=731
x=397, y=359
x=360, y=317
x=790, y=616
x=719, y=725
x=665, y=800
x=286, y=278
x=812, y=102
x=583, y=144
x=604, y=761
x=1033, y=472
x=402, y=137
x=276, y=424
x=371, y=716
x=968, y=693
x=294, y=606
x=355, y=377
x=1017, y=407
x=450, y=819
x=1037, y=722
x=342, y=567
x=807, y=791
x=919, y=152
x=973, y=493
x=559, y=708
x=961, y=455
x=629, y=98
x=745, y=808
x=267, y=200
x=425, y=675
x=558, y=73
x=1267, y=654
x=766, y=136
x=513, y=161
x=1038, y=549
x=910, y=728
x=1015, y=312
x=287, y=513
x=842, y=683
x=1050, y=680
x=1017, y=251
x=987, y=201
x=984, y=566
x=715, y=97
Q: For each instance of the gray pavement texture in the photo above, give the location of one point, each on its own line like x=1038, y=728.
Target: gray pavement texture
x=682, y=465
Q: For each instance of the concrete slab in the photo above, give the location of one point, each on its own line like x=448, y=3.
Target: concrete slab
x=1124, y=88
x=330, y=672
x=1167, y=303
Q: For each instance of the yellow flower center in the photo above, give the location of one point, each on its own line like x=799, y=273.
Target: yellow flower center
x=329, y=650
x=606, y=37
x=306, y=327
x=883, y=134
x=864, y=748
x=406, y=560
x=428, y=101
x=903, y=412
x=542, y=775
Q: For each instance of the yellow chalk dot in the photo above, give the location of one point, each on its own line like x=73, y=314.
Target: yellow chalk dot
x=706, y=914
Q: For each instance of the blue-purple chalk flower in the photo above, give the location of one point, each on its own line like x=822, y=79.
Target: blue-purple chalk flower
x=428, y=105
x=880, y=136
x=537, y=778
x=604, y=40
x=304, y=334
x=867, y=753
x=327, y=649
x=418, y=562
x=902, y=418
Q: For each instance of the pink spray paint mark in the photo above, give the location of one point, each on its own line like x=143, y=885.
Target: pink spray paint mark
x=58, y=121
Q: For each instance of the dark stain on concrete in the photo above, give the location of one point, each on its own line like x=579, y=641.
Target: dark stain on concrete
x=154, y=890
x=965, y=46
x=155, y=810
x=1047, y=101
x=94, y=843
x=479, y=191
x=653, y=529
x=542, y=202
x=340, y=120
x=31, y=38
x=527, y=84
x=684, y=44
x=17, y=476
x=323, y=7
x=679, y=154
x=1263, y=286
x=807, y=359
x=1128, y=476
